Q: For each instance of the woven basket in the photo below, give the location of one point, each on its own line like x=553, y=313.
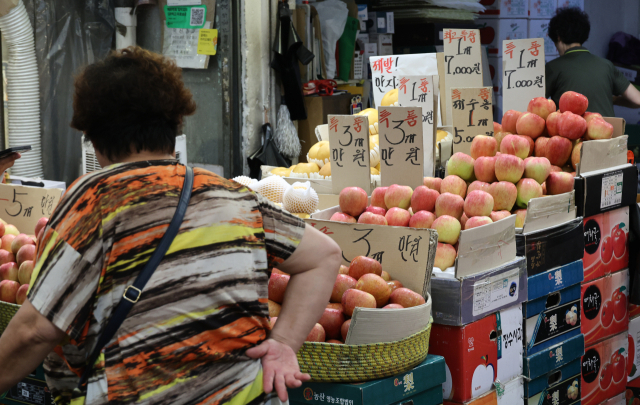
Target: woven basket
x=7, y=311
x=327, y=362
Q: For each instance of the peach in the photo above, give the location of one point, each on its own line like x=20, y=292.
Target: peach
x=475, y=222
x=504, y=195
x=559, y=182
x=385, y=276
x=9, y=271
x=478, y=204
x=8, y=291
x=445, y=256
x=393, y=306
x=558, y=150
x=509, y=168
x=432, y=182
x=376, y=210
x=454, y=185
x=424, y=198
x=484, y=168
x=21, y=294
x=352, y=298
x=344, y=329
x=575, y=155
x=331, y=321
x=540, y=146
x=448, y=229
x=406, y=298
x=510, y=120
x=11, y=230
x=20, y=241
x=537, y=168
x=27, y=252
x=541, y=106
x=527, y=189
x=394, y=284
x=317, y=334
x=398, y=196
x=277, y=287
x=341, y=217
x=371, y=218
x=42, y=222
x=343, y=269
x=574, y=102
x=463, y=220
x=498, y=215
x=530, y=124
x=25, y=271
x=274, y=307
x=353, y=201
x=7, y=240
x=598, y=128
x=552, y=123
x=515, y=145
x=449, y=204
x=377, y=197
x=520, y=217
x=588, y=116
x=342, y=284
x=571, y=126
x=478, y=185
x=362, y=265
x=461, y=165
x=376, y=286
x=483, y=145
x=422, y=219
x=397, y=217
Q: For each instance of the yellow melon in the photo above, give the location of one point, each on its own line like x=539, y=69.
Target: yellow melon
x=374, y=170
x=281, y=171
x=391, y=98
x=326, y=170
x=378, y=166
x=306, y=168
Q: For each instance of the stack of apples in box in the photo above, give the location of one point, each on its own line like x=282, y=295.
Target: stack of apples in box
x=17, y=255
x=363, y=284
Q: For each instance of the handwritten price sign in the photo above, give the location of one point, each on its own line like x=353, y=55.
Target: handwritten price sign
x=419, y=91
x=349, y=141
x=401, y=146
x=472, y=115
x=23, y=206
x=462, y=61
x=523, y=72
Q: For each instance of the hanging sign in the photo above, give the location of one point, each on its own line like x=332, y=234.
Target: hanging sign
x=189, y=17
x=349, y=143
x=472, y=115
x=523, y=72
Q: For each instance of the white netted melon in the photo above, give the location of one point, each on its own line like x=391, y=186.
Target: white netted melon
x=272, y=188
x=244, y=180
x=300, y=198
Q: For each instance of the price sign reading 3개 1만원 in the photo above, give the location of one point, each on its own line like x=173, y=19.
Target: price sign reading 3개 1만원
x=462, y=62
x=418, y=91
x=522, y=72
x=401, y=145
x=349, y=143
x=472, y=115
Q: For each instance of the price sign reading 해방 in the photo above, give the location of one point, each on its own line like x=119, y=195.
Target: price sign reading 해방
x=349, y=143
x=462, y=62
x=472, y=115
x=23, y=206
x=523, y=72
x=418, y=91
x=401, y=146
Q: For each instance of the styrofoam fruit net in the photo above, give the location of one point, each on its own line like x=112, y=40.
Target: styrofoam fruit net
x=244, y=180
x=300, y=198
x=272, y=188
x=449, y=137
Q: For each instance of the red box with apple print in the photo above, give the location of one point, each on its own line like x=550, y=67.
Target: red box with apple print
x=606, y=243
x=604, y=370
x=471, y=357
x=604, y=310
x=634, y=311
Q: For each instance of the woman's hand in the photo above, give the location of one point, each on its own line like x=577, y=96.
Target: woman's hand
x=8, y=161
x=279, y=367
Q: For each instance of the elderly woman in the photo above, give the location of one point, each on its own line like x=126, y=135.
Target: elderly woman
x=199, y=333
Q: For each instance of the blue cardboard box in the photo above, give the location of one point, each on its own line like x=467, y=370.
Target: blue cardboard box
x=559, y=387
x=422, y=385
x=554, y=357
x=555, y=279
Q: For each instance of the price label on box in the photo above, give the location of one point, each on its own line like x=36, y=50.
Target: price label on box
x=523, y=72
x=349, y=142
x=23, y=206
x=472, y=115
x=611, y=194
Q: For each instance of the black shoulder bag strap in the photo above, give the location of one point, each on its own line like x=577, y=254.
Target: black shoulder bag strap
x=132, y=293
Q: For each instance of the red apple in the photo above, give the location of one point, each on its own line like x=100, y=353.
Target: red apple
x=618, y=367
x=530, y=124
x=344, y=330
x=393, y=306
x=485, y=169
x=504, y=195
x=21, y=294
x=385, y=276
x=19, y=242
x=432, y=182
x=342, y=284
x=7, y=240
x=331, y=321
x=606, y=316
x=606, y=250
x=371, y=218
x=424, y=198
x=362, y=265
x=8, y=291
x=11, y=230
x=540, y=145
x=588, y=116
x=499, y=137
x=406, y=298
x=340, y=217
x=394, y=284
x=353, y=201
x=527, y=189
x=422, y=219
x=541, y=107
x=498, y=215
x=398, y=217
x=449, y=204
x=398, y=196
x=42, y=222
x=483, y=145
x=353, y=298
x=2, y=229
x=515, y=145
x=598, y=129
x=6, y=257
x=445, y=256
x=9, y=271
x=606, y=375
x=274, y=307
x=475, y=222
x=521, y=215
x=317, y=334
x=575, y=155
x=571, y=126
x=509, y=168
x=532, y=144
x=619, y=241
x=537, y=168
x=463, y=220
x=376, y=286
x=461, y=165
x=478, y=204
x=377, y=197
x=343, y=269
x=510, y=120
x=558, y=150
x=335, y=305
x=376, y=210
x=619, y=305
x=496, y=127
x=552, y=123
x=448, y=229
x=278, y=286
x=574, y=102
x=26, y=252
x=25, y=271
x=454, y=185
x=559, y=182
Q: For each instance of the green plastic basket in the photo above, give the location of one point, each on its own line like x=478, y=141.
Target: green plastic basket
x=7, y=311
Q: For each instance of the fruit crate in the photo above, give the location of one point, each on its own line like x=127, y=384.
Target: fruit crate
x=7, y=311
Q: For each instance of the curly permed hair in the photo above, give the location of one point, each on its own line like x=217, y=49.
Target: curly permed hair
x=132, y=100
x=570, y=25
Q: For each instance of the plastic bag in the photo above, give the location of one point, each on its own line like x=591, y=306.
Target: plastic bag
x=333, y=18
x=286, y=136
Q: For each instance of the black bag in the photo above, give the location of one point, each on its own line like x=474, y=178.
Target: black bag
x=267, y=155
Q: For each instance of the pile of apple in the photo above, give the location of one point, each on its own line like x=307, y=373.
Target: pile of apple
x=17, y=255
x=363, y=284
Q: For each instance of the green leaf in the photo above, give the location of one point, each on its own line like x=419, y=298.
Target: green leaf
x=633, y=370
x=621, y=225
x=621, y=350
x=623, y=288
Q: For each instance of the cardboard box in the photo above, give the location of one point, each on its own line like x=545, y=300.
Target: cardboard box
x=554, y=357
x=617, y=400
x=32, y=390
x=471, y=357
x=606, y=243
x=556, y=279
x=490, y=398
x=495, y=69
x=633, y=362
x=512, y=28
x=603, y=369
x=604, y=310
x=560, y=386
x=514, y=8
x=634, y=311
x=540, y=29
x=513, y=393
x=551, y=319
x=509, y=343
x=542, y=8
x=571, y=3
x=492, y=9
x=383, y=22
x=423, y=385
x=23, y=206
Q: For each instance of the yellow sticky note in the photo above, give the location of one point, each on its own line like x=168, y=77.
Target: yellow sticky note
x=207, y=42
